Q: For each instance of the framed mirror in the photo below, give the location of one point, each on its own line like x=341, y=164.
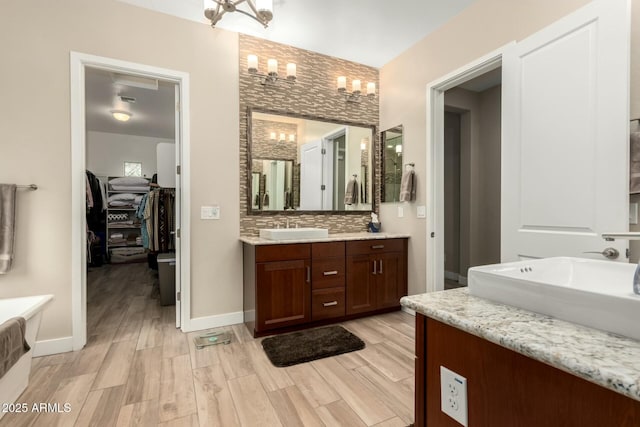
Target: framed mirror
x=392, y=166
x=308, y=164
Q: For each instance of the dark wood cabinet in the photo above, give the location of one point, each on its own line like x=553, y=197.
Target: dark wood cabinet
x=506, y=388
x=290, y=286
x=376, y=274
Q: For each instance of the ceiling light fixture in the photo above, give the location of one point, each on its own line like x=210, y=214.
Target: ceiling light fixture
x=260, y=10
x=356, y=90
x=121, y=110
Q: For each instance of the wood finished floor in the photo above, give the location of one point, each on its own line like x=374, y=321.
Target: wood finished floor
x=137, y=369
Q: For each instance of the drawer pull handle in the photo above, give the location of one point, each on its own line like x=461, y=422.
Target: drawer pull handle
x=329, y=304
x=374, y=267
x=308, y=274
x=380, y=266
x=330, y=273
x=377, y=247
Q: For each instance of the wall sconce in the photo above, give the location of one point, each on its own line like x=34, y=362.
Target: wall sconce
x=272, y=136
x=399, y=149
x=292, y=138
x=356, y=90
x=363, y=143
x=272, y=77
x=282, y=137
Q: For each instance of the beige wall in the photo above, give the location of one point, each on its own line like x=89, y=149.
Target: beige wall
x=481, y=28
x=635, y=106
x=35, y=145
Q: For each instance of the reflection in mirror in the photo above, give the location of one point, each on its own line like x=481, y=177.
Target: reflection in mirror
x=302, y=164
x=391, y=164
x=272, y=184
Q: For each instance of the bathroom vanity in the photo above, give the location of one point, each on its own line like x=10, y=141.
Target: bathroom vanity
x=297, y=284
x=521, y=368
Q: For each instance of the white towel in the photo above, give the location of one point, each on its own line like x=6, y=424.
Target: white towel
x=7, y=225
x=408, y=186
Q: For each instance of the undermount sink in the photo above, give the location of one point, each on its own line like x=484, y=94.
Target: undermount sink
x=293, y=233
x=598, y=294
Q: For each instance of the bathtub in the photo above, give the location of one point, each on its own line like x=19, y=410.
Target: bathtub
x=13, y=383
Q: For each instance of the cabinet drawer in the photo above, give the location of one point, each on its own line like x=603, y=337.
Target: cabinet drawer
x=327, y=303
x=375, y=246
x=327, y=273
x=266, y=253
x=327, y=250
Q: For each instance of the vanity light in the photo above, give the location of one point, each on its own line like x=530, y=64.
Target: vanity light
x=282, y=137
x=399, y=149
x=259, y=10
x=292, y=138
x=356, y=90
x=272, y=77
x=363, y=143
x=272, y=136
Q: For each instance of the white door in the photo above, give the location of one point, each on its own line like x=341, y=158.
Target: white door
x=311, y=175
x=177, y=205
x=565, y=135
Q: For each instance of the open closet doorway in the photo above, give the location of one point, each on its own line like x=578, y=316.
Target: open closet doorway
x=472, y=141
x=129, y=141
x=464, y=155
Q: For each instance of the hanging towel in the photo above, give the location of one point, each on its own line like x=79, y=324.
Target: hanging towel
x=13, y=343
x=265, y=200
x=408, y=186
x=634, y=164
x=7, y=225
x=351, y=192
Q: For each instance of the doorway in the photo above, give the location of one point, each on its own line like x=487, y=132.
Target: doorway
x=82, y=68
x=469, y=220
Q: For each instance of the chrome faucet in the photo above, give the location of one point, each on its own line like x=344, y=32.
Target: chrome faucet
x=610, y=237
x=287, y=222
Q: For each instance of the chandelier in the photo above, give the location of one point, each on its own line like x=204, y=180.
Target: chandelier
x=260, y=10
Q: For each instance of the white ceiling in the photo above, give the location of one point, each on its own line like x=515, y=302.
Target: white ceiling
x=370, y=32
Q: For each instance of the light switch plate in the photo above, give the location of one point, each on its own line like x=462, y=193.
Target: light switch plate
x=633, y=213
x=400, y=212
x=422, y=212
x=453, y=395
x=209, y=212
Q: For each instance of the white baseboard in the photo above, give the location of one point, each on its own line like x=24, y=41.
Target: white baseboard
x=208, y=322
x=462, y=280
x=450, y=275
x=54, y=346
x=408, y=311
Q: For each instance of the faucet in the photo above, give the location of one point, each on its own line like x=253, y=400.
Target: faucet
x=610, y=237
x=287, y=222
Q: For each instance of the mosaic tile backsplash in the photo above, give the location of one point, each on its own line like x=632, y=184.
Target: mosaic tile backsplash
x=314, y=94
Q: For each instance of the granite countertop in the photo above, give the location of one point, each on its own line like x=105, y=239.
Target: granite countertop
x=255, y=240
x=606, y=359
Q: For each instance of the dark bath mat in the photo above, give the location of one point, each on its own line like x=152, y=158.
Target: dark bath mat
x=311, y=344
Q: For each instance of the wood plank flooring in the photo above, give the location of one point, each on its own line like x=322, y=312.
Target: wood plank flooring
x=138, y=370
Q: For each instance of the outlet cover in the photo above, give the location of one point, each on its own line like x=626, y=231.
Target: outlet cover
x=421, y=212
x=400, y=212
x=453, y=395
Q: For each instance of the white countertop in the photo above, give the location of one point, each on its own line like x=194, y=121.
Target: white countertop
x=255, y=240
x=606, y=359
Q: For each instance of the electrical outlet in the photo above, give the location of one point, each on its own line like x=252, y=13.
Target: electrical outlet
x=453, y=395
x=209, y=212
x=400, y=212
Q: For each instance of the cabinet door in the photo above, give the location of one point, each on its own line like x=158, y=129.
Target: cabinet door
x=389, y=279
x=361, y=295
x=283, y=294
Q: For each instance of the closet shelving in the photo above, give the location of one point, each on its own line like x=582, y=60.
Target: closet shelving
x=122, y=220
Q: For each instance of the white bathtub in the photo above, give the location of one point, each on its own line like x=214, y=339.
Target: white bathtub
x=13, y=383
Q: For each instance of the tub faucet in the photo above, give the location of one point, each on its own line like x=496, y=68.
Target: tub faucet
x=610, y=237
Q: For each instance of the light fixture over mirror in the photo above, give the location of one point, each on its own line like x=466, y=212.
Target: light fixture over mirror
x=356, y=90
x=259, y=10
x=272, y=77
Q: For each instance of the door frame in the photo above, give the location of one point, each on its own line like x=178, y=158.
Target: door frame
x=78, y=64
x=435, y=158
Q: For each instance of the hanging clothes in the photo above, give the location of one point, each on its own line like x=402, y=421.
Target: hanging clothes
x=159, y=218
